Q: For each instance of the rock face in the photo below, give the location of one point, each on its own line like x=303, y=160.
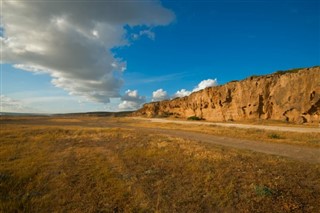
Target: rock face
x=292, y=96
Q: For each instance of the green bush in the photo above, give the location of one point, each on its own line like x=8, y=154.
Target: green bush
x=281, y=72
x=254, y=76
x=194, y=118
x=274, y=136
x=263, y=191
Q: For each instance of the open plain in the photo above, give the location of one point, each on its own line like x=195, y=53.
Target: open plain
x=100, y=164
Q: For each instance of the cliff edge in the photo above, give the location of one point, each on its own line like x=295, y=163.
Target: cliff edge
x=292, y=96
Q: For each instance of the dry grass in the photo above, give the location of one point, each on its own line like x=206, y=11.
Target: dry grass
x=265, y=122
x=278, y=123
x=90, y=169
x=297, y=138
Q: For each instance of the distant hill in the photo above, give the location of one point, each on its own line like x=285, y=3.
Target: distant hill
x=21, y=114
x=98, y=114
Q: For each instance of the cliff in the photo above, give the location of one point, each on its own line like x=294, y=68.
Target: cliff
x=292, y=96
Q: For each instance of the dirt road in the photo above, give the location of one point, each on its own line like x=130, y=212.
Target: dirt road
x=243, y=126
x=296, y=152
x=301, y=153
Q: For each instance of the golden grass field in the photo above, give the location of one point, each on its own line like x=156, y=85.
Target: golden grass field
x=295, y=138
x=93, y=164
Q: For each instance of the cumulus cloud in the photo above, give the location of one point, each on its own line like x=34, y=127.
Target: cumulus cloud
x=202, y=85
x=182, y=93
x=131, y=100
x=159, y=95
x=205, y=83
x=72, y=42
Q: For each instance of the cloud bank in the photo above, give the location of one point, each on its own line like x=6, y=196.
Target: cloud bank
x=12, y=105
x=72, y=42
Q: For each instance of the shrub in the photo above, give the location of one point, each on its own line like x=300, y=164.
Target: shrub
x=263, y=191
x=281, y=72
x=254, y=76
x=194, y=118
x=274, y=136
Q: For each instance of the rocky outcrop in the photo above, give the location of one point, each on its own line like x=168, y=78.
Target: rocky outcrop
x=292, y=96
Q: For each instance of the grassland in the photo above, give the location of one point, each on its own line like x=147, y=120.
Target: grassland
x=296, y=138
x=99, y=165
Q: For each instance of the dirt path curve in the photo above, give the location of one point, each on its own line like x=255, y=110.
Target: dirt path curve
x=296, y=152
x=243, y=126
x=306, y=154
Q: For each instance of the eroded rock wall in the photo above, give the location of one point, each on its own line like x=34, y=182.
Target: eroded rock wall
x=293, y=97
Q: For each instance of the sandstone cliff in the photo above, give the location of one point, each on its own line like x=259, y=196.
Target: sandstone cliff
x=292, y=96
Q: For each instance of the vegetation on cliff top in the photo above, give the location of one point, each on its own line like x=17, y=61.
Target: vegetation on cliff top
x=282, y=72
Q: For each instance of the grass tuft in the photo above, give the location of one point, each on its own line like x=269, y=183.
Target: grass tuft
x=263, y=191
x=274, y=136
x=194, y=118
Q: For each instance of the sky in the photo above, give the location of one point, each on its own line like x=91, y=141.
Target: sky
x=80, y=56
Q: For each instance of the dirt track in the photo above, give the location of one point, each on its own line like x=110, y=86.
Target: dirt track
x=292, y=151
x=300, y=153
x=243, y=126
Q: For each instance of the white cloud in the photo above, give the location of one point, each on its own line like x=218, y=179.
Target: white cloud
x=202, y=85
x=205, y=83
x=72, y=42
x=8, y=104
x=131, y=100
x=159, y=95
x=182, y=93
x=128, y=105
x=148, y=33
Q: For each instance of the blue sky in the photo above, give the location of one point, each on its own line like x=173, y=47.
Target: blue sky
x=170, y=45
